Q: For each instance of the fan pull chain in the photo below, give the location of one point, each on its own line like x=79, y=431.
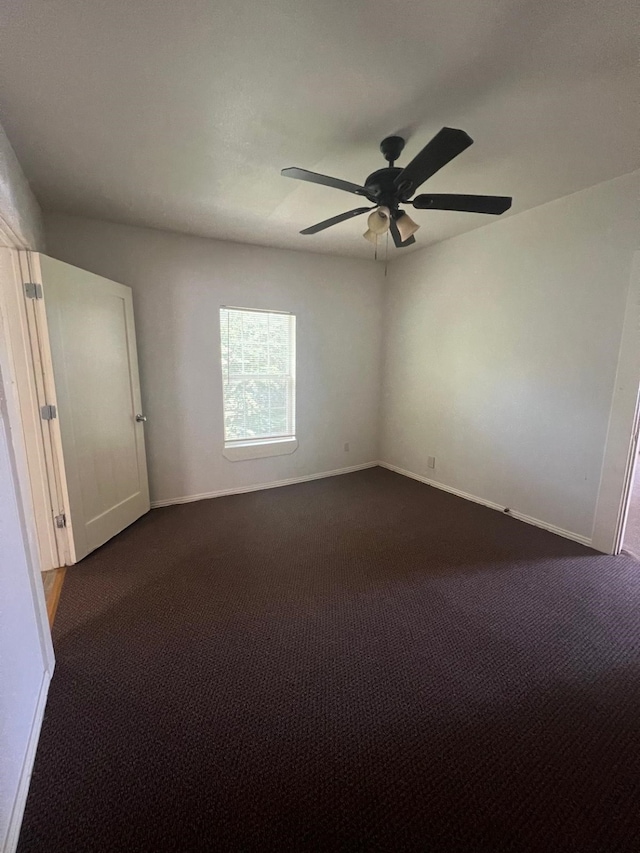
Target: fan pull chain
x=386, y=256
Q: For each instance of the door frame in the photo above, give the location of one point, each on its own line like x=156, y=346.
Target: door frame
x=12, y=415
x=622, y=442
x=29, y=366
x=19, y=232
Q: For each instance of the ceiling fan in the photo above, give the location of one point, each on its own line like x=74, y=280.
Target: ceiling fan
x=392, y=186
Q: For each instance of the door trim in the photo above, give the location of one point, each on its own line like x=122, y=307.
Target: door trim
x=25, y=333
x=43, y=370
x=10, y=401
x=20, y=801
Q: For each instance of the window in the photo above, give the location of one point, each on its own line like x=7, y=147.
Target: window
x=258, y=378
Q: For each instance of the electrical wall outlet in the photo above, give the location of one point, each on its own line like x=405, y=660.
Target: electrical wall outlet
x=431, y=462
x=346, y=446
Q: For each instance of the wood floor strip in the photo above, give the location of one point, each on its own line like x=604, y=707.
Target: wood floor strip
x=52, y=593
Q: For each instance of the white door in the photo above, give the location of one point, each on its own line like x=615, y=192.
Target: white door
x=97, y=395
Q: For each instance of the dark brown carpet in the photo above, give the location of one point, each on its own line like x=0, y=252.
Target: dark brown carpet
x=362, y=663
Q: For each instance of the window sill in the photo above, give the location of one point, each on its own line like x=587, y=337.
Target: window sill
x=259, y=449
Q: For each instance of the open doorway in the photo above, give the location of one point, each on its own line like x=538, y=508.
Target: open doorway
x=629, y=525
x=631, y=532
x=618, y=500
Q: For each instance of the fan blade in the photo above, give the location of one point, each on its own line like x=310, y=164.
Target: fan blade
x=325, y=180
x=496, y=204
x=444, y=146
x=335, y=219
x=397, y=239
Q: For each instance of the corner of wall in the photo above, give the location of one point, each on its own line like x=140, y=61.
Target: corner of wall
x=21, y=225
x=383, y=279
x=558, y=276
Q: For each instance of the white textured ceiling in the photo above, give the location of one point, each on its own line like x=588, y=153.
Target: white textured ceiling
x=179, y=114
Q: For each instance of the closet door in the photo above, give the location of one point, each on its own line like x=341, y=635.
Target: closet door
x=97, y=396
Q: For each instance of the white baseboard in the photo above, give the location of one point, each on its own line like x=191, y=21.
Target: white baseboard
x=567, y=534
x=520, y=516
x=15, y=821
x=239, y=490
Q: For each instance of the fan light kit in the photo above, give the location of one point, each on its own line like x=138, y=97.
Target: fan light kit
x=377, y=224
x=388, y=188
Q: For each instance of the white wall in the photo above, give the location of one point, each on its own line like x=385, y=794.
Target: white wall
x=501, y=352
x=23, y=673
x=26, y=657
x=20, y=219
x=179, y=283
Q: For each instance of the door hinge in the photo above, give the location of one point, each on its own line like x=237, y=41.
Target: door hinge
x=48, y=413
x=61, y=520
x=32, y=290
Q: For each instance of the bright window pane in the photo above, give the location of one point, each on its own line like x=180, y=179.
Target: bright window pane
x=258, y=374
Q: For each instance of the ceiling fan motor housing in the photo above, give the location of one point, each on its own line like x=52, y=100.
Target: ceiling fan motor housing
x=380, y=184
x=391, y=148
x=382, y=188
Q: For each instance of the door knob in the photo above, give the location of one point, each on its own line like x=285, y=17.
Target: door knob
x=141, y=418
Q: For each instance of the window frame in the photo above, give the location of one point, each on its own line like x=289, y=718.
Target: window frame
x=269, y=445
